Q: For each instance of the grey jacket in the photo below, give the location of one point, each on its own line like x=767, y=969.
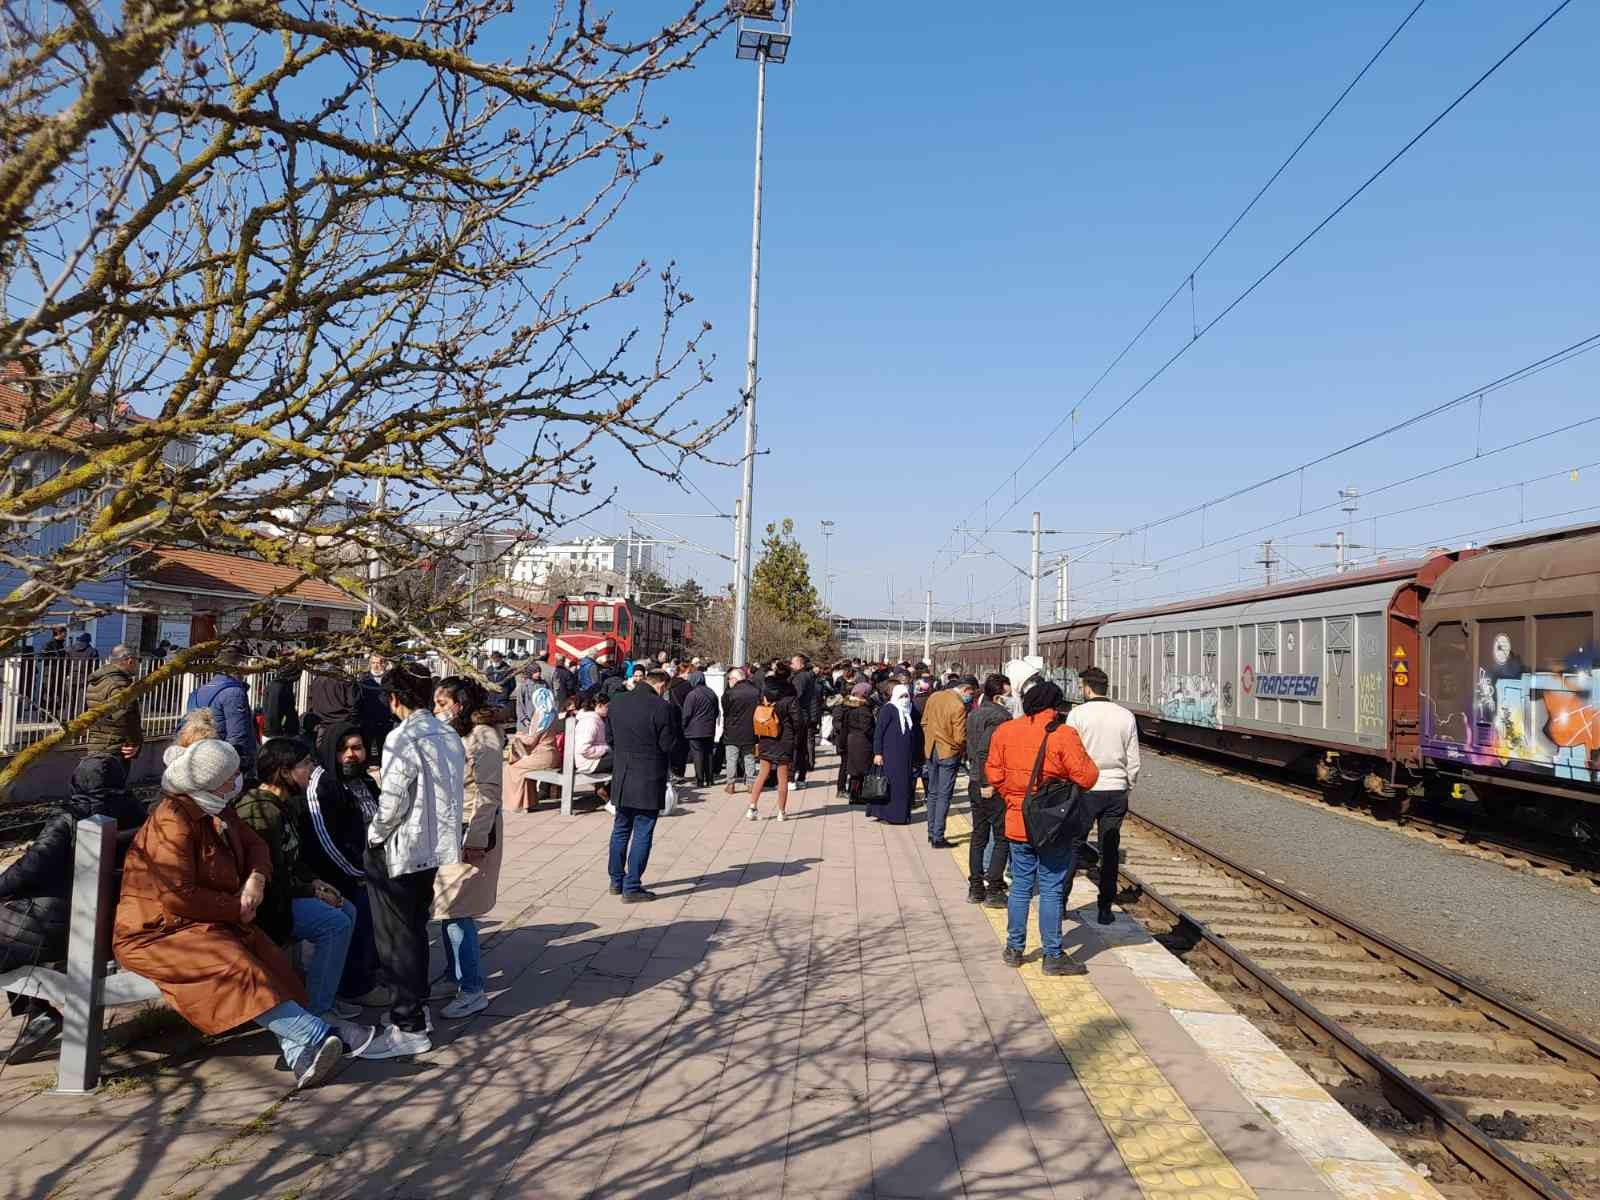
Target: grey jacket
x=420, y=796
x=982, y=721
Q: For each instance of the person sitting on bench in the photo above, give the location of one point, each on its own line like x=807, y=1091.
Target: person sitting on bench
x=593, y=734
x=36, y=890
x=191, y=885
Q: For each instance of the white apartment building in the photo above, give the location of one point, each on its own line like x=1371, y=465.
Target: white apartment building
x=526, y=562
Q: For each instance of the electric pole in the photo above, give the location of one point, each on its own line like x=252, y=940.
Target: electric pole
x=927, y=631
x=1268, y=560
x=1033, y=593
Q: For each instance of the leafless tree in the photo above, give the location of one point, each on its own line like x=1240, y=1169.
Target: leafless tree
x=259, y=256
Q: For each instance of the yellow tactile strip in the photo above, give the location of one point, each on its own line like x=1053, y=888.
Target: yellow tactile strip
x=1166, y=1149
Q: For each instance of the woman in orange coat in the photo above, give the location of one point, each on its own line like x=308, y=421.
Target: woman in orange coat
x=191, y=884
x=1012, y=753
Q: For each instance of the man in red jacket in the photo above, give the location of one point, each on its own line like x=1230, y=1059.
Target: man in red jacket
x=1012, y=752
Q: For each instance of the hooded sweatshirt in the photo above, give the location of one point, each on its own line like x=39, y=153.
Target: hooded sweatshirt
x=338, y=810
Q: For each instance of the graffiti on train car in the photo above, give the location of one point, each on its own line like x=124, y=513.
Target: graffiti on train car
x=1546, y=721
x=1191, y=699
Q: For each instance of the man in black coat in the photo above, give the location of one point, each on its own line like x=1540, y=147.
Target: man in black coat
x=807, y=713
x=677, y=693
x=334, y=699
x=739, y=727
x=646, y=733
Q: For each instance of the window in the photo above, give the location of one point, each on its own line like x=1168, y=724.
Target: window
x=558, y=620
x=603, y=620
x=1559, y=640
x=624, y=624
x=577, y=618
x=1502, y=647
x=1449, y=682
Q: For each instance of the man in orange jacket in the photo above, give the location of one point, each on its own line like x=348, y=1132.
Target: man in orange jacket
x=1012, y=752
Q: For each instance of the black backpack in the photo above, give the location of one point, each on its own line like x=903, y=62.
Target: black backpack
x=1053, y=815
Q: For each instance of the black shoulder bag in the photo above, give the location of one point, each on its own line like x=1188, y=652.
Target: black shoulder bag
x=1052, y=815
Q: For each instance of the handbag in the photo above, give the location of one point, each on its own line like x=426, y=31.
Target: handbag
x=1052, y=815
x=874, y=789
x=671, y=804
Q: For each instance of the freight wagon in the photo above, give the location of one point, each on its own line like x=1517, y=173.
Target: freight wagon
x=1469, y=673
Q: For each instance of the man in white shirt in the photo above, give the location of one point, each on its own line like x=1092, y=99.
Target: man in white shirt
x=1111, y=736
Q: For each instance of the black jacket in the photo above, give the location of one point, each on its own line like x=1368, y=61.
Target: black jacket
x=780, y=694
x=372, y=711
x=37, y=888
x=807, y=696
x=334, y=698
x=281, y=718
x=854, y=723
x=678, y=691
x=739, y=714
x=700, y=712
x=645, y=734
x=335, y=839
x=564, y=685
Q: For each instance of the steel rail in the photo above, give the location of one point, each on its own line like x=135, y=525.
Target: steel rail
x=1455, y=1133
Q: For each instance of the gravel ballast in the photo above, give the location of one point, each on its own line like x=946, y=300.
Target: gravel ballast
x=1536, y=940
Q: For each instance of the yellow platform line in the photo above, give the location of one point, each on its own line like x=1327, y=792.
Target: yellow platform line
x=1167, y=1150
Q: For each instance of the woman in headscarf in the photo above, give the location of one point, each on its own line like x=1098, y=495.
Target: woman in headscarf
x=853, y=731
x=192, y=883
x=895, y=742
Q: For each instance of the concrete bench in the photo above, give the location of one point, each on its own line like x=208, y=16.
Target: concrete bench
x=568, y=777
x=91, y=983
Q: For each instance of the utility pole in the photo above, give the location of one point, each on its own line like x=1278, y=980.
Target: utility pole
x=738, y=550
x=627, y=569
x=927, y=630
x=1033, y=593
x=827, y=567
x=1268, y=560
x=1061, y=589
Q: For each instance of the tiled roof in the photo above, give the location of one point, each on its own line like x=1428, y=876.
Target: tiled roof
x=15, y=405
x=209, y=571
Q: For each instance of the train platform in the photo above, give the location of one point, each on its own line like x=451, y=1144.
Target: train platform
x=810, y=1009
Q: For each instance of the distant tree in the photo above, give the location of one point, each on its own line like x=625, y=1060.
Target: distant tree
x=771, y=635
x=654, y=590
x=782, y=582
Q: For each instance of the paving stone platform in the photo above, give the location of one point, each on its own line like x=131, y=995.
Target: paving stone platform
x=811, y=1010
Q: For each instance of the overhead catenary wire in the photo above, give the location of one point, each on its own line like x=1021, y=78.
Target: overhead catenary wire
x=1187, y=280
x=1277, y=264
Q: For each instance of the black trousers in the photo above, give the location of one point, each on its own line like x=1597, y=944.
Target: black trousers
x=988, y=825
x=1107, y=809
x=400, y=907
x=802, y=752
x=704, y=766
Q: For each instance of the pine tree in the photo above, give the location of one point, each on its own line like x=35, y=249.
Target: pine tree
x=782, y=580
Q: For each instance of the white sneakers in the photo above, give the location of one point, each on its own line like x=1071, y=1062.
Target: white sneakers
x=611, y=808
x=465, y=1004
x=778, y=816
x=395, y=1042
x=750, y=814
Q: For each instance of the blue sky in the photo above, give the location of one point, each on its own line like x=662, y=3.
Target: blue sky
x=967, y=216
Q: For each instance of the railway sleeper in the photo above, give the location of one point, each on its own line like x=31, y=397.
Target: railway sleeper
x=1295, y=945
x=1301, y=962
x=1436, y=1071
x=1379, y=1037
x=1476, y=1108
x=1372, y=1015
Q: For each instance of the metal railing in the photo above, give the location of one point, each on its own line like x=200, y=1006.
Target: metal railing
x=39, y=695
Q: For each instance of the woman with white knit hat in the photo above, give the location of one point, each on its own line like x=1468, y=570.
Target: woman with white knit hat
x=192, y=882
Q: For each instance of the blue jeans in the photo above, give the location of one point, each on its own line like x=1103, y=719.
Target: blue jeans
x=329, y=930
x=1049, y=871
x=295, y=1029
x=638, y=827
x=461, y=953
x=941, y=789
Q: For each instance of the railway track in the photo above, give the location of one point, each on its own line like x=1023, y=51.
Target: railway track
x=1514, y=852
x=1492, y=1099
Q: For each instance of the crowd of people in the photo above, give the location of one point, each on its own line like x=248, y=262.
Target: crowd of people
x=384, y=810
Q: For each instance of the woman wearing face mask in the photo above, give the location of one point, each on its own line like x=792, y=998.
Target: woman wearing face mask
x=192, y=883
x=460, y=896
x=895, y=742
x=298, y=906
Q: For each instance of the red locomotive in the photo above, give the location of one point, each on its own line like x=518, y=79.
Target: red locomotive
x=614, y=629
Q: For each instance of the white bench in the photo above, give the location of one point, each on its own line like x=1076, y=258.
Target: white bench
x=568, y=777
x=91, y=983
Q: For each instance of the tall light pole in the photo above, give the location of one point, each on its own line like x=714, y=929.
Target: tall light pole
x=827, y=567
x=764, y=34
x=1033, y=591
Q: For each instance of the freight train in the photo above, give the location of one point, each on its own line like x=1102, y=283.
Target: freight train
x=1469, y=674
